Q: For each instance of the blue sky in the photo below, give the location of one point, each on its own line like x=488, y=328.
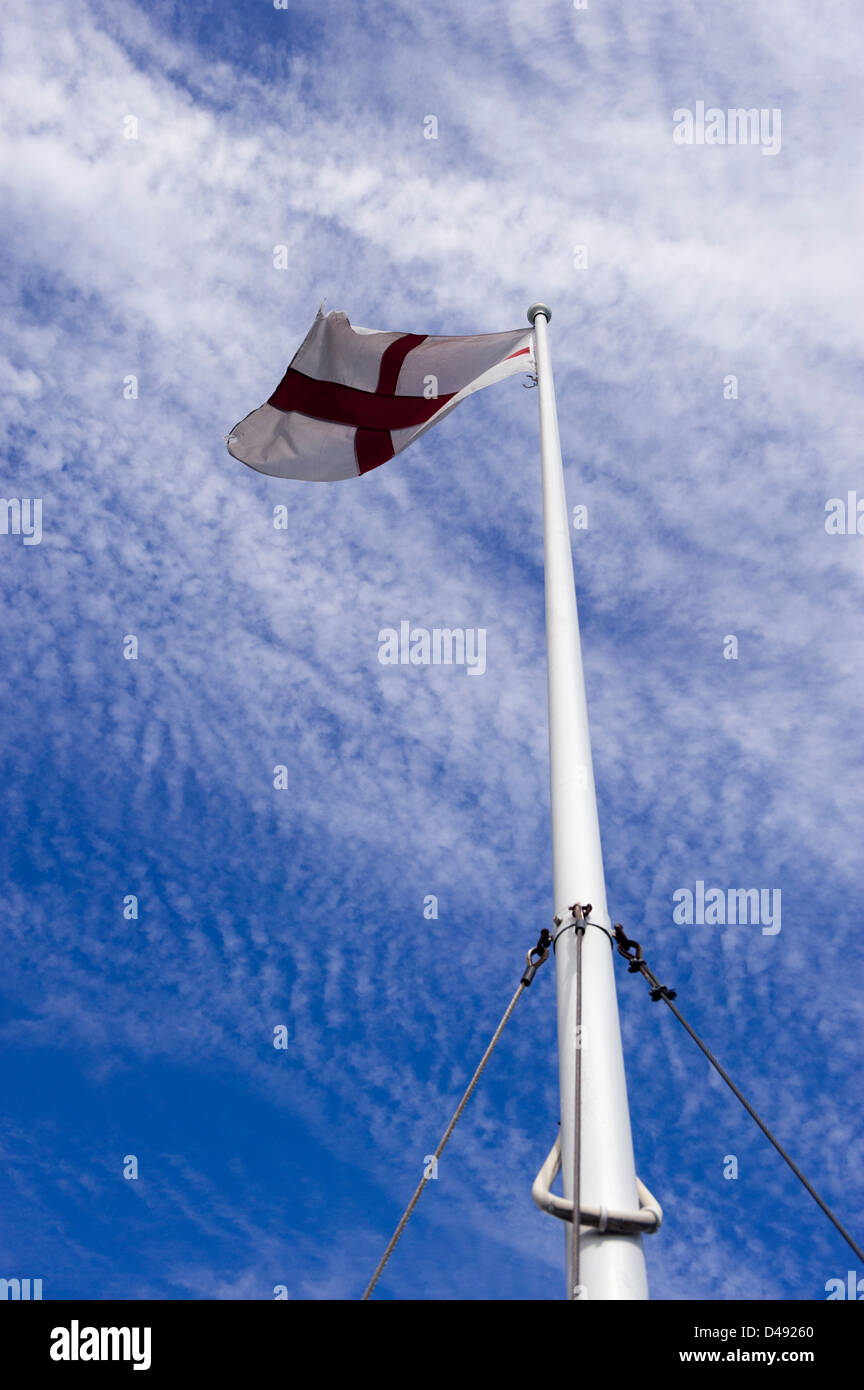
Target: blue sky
x=153, y=257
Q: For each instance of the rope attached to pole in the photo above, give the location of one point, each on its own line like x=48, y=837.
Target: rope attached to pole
x=637, y=965
x=541, y=951
x=576, y=1289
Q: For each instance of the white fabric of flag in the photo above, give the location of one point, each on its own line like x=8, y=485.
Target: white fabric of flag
x=353, y=398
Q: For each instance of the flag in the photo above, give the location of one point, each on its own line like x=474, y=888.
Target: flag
x=353, y=398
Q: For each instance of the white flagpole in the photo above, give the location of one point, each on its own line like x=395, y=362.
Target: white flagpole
x=610, y=1266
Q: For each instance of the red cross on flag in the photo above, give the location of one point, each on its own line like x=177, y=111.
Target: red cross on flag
x=353, y=398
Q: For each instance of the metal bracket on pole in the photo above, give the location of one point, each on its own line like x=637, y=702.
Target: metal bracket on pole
x=625, y=1223
x=580, y=915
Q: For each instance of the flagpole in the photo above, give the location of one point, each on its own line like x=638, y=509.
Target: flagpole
x=601, y=1166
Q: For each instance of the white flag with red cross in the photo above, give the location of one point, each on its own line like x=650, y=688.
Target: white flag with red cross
x=353, y=398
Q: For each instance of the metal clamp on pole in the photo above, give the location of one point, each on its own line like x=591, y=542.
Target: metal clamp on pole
x=623, y=1223
x=580, y=917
